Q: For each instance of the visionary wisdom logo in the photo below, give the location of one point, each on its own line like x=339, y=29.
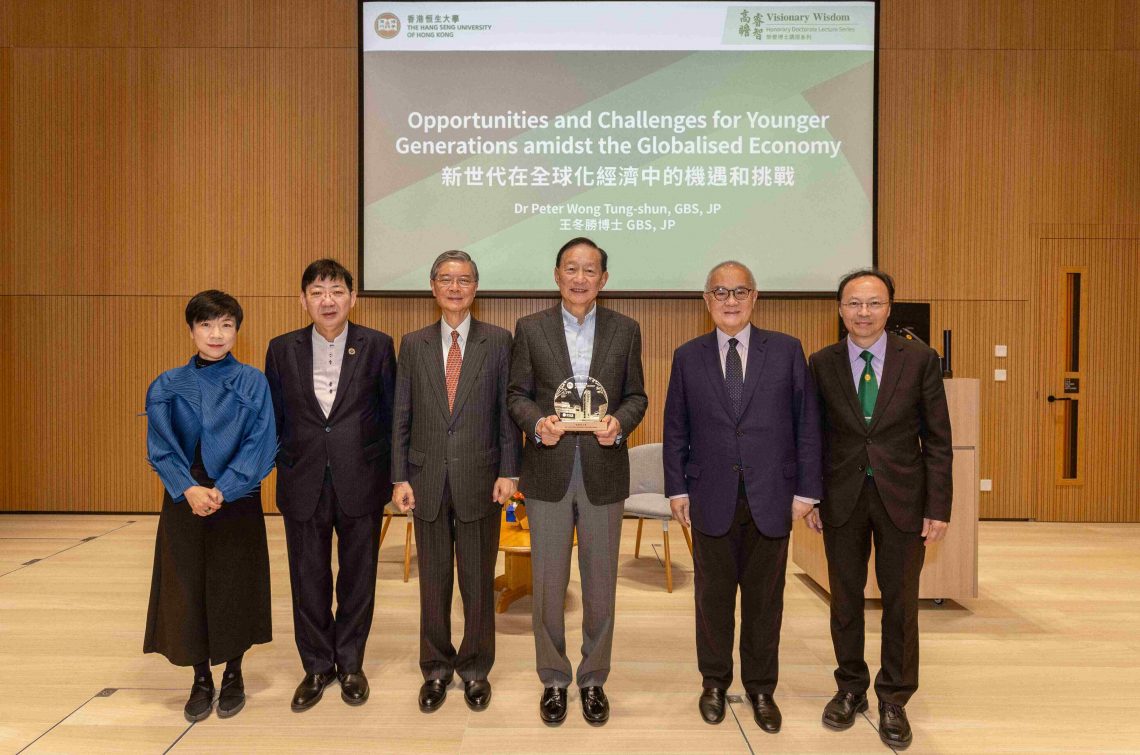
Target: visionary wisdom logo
x=387, y=25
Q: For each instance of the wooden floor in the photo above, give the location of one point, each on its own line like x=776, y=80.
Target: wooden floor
x=1046, y=659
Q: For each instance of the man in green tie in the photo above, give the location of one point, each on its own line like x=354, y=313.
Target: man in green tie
x=887, y=479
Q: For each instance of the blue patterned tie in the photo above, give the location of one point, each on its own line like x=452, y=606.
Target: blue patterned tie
x=734, y=376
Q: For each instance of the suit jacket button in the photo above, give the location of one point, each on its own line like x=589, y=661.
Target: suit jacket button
x=328, y=429
x=739, y=433
x=868, y=441
x=451, y=432
x=735, y=467
x=862, y=468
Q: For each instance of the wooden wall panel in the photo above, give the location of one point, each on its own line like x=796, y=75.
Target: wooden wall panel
x=1004, y=446
x=152, y=148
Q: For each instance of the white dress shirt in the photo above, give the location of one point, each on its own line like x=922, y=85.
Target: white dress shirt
x=327, y=359
x=445, y=332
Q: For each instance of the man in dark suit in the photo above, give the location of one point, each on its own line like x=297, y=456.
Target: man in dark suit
x=575, y=478
x=455, y=451
x=332, y=386
x=742, y=460
x=888, y=456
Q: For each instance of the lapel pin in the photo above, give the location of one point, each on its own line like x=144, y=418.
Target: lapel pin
x=351, y=350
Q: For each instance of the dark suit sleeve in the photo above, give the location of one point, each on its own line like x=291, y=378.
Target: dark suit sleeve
x=813, y=371
x=520, y=390
x=402, y=413
x=675, y=435
x=805, y=407
x=274, y=378
x=634, y=402
x=509, y=439
x=937, y=444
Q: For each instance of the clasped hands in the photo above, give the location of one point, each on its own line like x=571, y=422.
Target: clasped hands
x=203, y=501
x=550, y=430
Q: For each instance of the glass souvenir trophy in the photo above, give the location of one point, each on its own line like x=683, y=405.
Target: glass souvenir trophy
x=580, y=403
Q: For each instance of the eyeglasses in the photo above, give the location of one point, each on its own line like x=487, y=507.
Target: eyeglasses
x=740, y=293
x=855, y=305
x=463, y=281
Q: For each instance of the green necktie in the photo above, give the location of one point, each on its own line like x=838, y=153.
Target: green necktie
x=868, y=387
x=868, y=392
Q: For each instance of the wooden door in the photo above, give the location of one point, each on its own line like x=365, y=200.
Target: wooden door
x=1086, y=460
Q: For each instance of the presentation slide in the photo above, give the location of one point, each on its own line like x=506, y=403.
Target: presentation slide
x=674, y=134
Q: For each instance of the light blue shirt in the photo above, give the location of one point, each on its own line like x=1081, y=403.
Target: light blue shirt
x=580, y=341
x=878, y=352
x=742, y=339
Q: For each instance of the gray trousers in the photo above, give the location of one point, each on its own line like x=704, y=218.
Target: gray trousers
x=551, y=541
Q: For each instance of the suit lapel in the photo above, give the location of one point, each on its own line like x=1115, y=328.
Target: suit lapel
x=842, y=365
x=757, y=352
x=712, y=369
x=303, y=355
x=431, y=358
x=353, y=354
x=893, y=360
x=473, y=358
x=603, y=333
x=556, y=338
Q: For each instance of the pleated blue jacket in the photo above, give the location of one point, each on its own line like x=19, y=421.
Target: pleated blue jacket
x=228, y=409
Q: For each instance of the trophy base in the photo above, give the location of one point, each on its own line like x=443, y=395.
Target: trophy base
x=583, y=425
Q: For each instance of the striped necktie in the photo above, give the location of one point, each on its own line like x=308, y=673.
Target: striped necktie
x=454, y=363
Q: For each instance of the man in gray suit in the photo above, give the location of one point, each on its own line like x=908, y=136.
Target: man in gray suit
x=575, y=478
x=455, y=454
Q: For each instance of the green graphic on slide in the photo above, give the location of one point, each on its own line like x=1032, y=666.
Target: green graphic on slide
x=796, y=237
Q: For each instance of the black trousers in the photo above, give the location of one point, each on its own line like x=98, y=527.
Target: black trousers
x=327, y=643
x=440, y=545
x=898, y=565
x=747, y=558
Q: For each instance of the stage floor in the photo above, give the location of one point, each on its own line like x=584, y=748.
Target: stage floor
x=1046, y=659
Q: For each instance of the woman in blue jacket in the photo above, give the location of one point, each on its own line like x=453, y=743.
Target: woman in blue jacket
x=211, y=438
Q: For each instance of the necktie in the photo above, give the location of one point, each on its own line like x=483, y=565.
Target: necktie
x=734, y=376
x=454, y=363
x=868, y=387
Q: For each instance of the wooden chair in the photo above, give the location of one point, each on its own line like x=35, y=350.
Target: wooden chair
x=647, y=500
x=390, y=511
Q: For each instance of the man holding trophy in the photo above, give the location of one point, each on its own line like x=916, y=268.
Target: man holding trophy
x=576, y=391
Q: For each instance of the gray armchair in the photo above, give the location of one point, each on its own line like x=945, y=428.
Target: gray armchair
x=647, y=500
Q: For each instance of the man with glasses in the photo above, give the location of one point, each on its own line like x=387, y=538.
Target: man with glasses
x=888, y=459
x=742, y=460
x=332, y=385
x=455, y=452
x=575, y=479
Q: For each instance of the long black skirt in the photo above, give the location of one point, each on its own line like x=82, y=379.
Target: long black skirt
x=209, y=593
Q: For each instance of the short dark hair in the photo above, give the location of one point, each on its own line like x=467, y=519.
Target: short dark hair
x=867, y=272
x=575, y=242
x=325, y=268
x=212, y=304
x=454, y=255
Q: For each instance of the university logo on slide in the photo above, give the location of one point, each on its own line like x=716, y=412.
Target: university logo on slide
x=387, y=25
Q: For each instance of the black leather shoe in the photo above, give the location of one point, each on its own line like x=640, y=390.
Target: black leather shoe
x=766, y=712
x=477, y=694
x=840, y=711
x=432, y=694
x=232, y=697
x=712, y=705
x=595, y=706
x=552, y=707
x=894, y=729
x=310, y=690
x=353, y=687
x=201, y=700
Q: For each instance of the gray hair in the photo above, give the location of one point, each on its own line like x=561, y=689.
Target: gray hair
x=730, y=263
x=455, y=255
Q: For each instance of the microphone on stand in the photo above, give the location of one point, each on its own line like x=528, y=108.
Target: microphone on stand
x=947, y=370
